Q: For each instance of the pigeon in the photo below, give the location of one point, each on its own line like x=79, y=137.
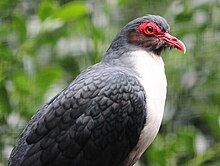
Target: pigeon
x=111, y=112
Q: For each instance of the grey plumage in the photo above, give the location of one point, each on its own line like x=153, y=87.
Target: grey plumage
x=99, y=118
x=96, y=120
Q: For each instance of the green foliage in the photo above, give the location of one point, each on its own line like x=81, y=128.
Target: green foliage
x=172, y=149
x=71, y=11
x=45, y=44
x=46, y=9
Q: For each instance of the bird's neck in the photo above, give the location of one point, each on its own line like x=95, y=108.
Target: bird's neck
x=134, y=58
x=149, y=68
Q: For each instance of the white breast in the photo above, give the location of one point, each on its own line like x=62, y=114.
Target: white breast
x=152, y=77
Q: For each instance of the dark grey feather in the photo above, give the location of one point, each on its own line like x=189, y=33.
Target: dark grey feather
x=96, y=120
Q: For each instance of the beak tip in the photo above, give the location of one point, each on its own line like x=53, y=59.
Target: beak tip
x=182, y=46
x=184, y=50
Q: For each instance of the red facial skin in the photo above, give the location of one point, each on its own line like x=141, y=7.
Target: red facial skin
x=152, y=29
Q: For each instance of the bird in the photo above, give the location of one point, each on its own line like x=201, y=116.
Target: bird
x=112, y=111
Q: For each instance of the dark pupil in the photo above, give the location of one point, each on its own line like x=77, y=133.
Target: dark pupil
x=150, y=29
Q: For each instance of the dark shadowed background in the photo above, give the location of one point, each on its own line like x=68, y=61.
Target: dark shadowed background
x=45, y=44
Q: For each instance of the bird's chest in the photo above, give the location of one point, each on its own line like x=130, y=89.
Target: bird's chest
x=150, y=69
x=154, y=84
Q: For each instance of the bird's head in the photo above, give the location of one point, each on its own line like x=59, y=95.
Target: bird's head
x=150, y=33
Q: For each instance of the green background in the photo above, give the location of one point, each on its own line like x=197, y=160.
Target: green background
x=45, y=44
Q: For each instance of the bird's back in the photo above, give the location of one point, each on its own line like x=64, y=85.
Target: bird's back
x=96, y=120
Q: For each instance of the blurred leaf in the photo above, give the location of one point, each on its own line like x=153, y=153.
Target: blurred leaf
x=208, y=158
x=46, y=9
x=5, y=106
x=172, y=148
x=71, y=11
x=70, y=65
x=210, y=115
x=45, y=77
x=22, y=83
x=184, y=16
x=19, y=25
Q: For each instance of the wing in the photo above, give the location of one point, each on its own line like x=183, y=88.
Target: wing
x=96, y=121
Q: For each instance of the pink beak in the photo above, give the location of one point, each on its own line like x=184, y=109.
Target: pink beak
x=173, y=41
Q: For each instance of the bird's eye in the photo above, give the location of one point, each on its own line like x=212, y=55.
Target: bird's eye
x=150, y=29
